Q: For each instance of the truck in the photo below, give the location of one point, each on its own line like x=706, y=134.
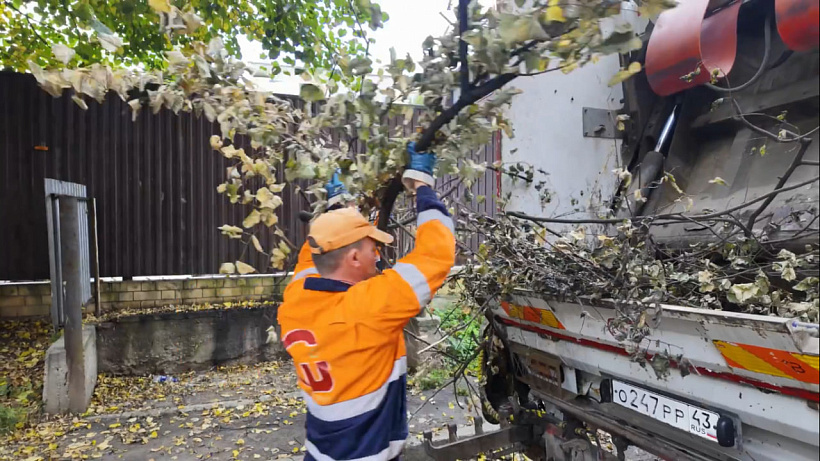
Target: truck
x=739, y=386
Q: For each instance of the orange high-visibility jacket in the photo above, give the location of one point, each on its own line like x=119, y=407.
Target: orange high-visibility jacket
x=348, y=347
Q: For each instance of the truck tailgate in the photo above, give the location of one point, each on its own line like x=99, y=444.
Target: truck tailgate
x=762, y=370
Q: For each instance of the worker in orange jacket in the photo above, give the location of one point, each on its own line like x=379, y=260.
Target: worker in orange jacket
x=342, y=322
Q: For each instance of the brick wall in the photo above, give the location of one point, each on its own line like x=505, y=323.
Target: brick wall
x=25, y=299
x=31, y=299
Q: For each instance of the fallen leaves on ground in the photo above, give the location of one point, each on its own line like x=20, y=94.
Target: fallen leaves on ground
x=23, y=345
x=173, y=418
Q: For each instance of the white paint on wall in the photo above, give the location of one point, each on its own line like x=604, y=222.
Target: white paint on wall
x=548, y=124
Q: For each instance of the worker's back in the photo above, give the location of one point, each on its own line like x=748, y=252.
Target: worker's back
x=347, y=340
x=351, y=367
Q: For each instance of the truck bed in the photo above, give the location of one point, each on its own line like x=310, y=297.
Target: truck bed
x=758, y=373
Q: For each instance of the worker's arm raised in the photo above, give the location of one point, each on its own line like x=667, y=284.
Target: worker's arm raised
x=304, y=264
x=399, y=294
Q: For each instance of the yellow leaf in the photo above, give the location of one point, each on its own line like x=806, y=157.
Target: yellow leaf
x=269, y=218
x=163, y=6
x=718, y=180
x=277, y=258
x=624, y=74
x=554, y=12
x=227, y=268
x=231, y=231
x=256, y=244
x=252, y=219
x=114, y=426
x=240, y=442
x=243, y=268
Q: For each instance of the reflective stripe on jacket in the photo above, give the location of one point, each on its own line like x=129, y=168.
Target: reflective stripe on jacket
x=348, y=346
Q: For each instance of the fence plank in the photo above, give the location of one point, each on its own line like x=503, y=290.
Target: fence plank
x=154, y=180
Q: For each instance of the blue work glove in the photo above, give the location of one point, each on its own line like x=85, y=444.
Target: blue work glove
x=420, y=167
x=336, y=191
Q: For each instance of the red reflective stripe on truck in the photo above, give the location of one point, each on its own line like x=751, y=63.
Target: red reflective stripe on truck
x=768, y=361
x=532, y=314
x=799, y=393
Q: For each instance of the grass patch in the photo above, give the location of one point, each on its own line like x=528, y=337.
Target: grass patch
x=11, y=418
x=463, y=325
x=432, y=379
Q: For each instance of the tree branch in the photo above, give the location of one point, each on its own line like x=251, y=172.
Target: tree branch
x=798, y=158
x=768, y=134
x=395, y=186
x=29, y=21
x=464, y=66
x=678, y=216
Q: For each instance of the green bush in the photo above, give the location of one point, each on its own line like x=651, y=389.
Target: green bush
x=465, y=325
x=432, y=379
x=9, y=417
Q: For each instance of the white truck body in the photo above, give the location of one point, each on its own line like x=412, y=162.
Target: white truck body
x=760, y=372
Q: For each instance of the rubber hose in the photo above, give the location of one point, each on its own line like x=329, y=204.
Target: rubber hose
x=767, y=48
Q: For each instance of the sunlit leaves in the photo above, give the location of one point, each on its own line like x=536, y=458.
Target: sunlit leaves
x=350, y=130
x=128, y=33
x=279, y=255
x=244, y=268
x=252, y=219
x=517, y=29
x=740, y=293
x=63, y=53
x=808, y=284
x=624, y=74
x=162, y=6
x=231, y=231
x=311, y=93
x=554, y=12
x=267, y=199
x=227, y=268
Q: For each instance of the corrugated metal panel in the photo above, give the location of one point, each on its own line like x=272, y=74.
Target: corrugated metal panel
x=154, y=180
x=54, y=191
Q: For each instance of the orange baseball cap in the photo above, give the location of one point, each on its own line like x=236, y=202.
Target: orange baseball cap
x=339, y=228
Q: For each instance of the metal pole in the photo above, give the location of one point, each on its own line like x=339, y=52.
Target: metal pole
x=97, y=282
x=73, y=333
x=58, y=311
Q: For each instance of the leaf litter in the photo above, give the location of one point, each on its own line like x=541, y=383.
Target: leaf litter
x=195, y=417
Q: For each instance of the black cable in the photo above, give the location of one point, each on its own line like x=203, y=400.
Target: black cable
x=783, y=58
x=767, y=48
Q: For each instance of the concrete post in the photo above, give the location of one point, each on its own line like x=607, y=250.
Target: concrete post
x=73, y=332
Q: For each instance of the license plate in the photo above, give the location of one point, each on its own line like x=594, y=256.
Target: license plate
x=685, y=417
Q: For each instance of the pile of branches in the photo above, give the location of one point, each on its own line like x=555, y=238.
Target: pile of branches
x=630, y=268
x=741, y=268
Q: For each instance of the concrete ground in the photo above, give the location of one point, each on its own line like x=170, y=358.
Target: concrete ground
x=243, y=412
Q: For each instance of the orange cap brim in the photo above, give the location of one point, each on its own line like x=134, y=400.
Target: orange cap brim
x=353, y=236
